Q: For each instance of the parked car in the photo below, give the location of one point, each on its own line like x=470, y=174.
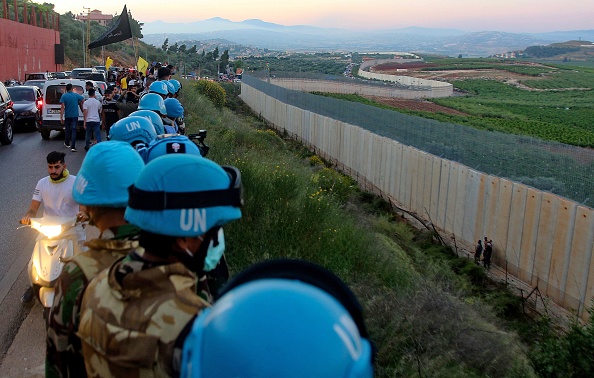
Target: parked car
x=79, y=73
x=27, y=106
x=101, y=85
x=59, y=75
x=50, y=116
x=37, y=76
x=94, y=76
x=37, y=83
x=6, y=116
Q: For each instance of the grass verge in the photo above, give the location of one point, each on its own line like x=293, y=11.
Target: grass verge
x=426, y=310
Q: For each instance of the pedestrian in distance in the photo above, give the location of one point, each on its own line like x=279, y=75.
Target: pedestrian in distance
x=70, y=104
x=488, y=254
x=477, y=252
x=92, y=119
x=110, y=113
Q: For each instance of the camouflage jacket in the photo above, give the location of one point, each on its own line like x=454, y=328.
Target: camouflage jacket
x=63, y=352
x=132, y=316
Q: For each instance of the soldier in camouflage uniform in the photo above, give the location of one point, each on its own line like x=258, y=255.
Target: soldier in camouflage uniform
x=135, y=316
x=102, y=187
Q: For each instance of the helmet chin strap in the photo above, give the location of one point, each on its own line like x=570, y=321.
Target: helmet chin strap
x=195, y=261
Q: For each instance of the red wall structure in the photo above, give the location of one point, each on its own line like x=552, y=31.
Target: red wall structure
x=26, y=46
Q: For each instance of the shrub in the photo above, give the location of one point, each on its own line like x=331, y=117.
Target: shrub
x=215, y=93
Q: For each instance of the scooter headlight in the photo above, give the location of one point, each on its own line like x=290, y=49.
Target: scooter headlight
x=47, y=230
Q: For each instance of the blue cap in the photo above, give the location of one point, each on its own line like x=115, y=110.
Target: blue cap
x=170, y=196
x=133, y=130
x=152, y=101
x=108, y=170
x=170, y=87
x=174, y=108
x=155, y=119
x=158, y=87
x=176, y=144
x=276, y=328
x=176, y=85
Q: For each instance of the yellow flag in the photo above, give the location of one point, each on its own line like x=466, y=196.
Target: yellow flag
x=142, y=65
x=108, y=62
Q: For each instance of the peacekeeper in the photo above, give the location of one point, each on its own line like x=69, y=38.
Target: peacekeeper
x=280, y=318
x=213, y=280
x=101, y=186
x=134, y=314
x=175, y=115
x=176, y=86
x=154, y=102
x=155, y=119
x=160, y=88
x=133, y=130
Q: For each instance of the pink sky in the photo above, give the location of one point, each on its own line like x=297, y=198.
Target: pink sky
x=467, y=15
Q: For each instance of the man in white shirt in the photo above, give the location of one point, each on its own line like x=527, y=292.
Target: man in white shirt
x=92, y=115
x=55, y=192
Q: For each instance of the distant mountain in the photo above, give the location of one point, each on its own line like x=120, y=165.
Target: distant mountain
x=265, y=35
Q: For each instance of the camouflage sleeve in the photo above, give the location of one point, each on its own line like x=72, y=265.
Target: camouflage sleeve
x=63, y=353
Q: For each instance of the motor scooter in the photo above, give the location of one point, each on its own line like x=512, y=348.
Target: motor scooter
x=58, y=239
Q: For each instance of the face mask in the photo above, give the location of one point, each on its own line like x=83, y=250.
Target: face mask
x=215, y=251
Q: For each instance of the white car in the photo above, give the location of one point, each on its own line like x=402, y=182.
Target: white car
x=50, y=116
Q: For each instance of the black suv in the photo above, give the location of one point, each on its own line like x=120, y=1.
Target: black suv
x=6, y=116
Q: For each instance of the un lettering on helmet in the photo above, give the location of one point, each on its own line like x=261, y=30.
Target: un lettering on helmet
x=193, y=219
x=81, y=183
x=131, y=126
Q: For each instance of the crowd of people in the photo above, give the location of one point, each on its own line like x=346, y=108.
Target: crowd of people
x=152, y=295
x=129, y=94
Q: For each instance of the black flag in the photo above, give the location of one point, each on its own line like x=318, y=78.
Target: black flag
x=120, y=31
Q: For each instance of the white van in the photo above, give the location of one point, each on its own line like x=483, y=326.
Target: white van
x=50, y=116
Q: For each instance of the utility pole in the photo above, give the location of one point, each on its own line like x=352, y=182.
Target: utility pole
x=87, y=58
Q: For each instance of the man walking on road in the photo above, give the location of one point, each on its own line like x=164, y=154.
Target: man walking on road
x=71, y=102
x=92, y=116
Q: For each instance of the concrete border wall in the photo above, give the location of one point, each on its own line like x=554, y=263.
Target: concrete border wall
x=543, y=239
x=439, y=88
x=308, y=85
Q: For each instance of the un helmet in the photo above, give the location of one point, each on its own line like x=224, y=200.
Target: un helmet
x=133, y=130
x=170, y=87
x=154, y=102
x=174, y=108
x=176, y=144
x=176, y=85
x=184, y=195
x=158, y=87
x=106, y=173
x=155, y=119
x=279, y=324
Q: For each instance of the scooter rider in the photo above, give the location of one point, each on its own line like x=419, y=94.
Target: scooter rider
x=102, y=187
x=180, y=202
x=55, y=192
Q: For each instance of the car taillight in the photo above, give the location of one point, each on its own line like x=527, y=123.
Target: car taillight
x=10, y=104
x=39, y=104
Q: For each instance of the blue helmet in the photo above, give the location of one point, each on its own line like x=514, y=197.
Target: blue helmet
x=158, y=87
x=170, y=87
x=106, y=173
x=174, y=108
x=156, y=119
x=176, y=144
x=133, y=130
x=184, y=195
x=176, y=85
x=152, y=101
x=276, y=327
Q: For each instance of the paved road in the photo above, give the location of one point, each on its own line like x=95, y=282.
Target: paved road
x=22, y=164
